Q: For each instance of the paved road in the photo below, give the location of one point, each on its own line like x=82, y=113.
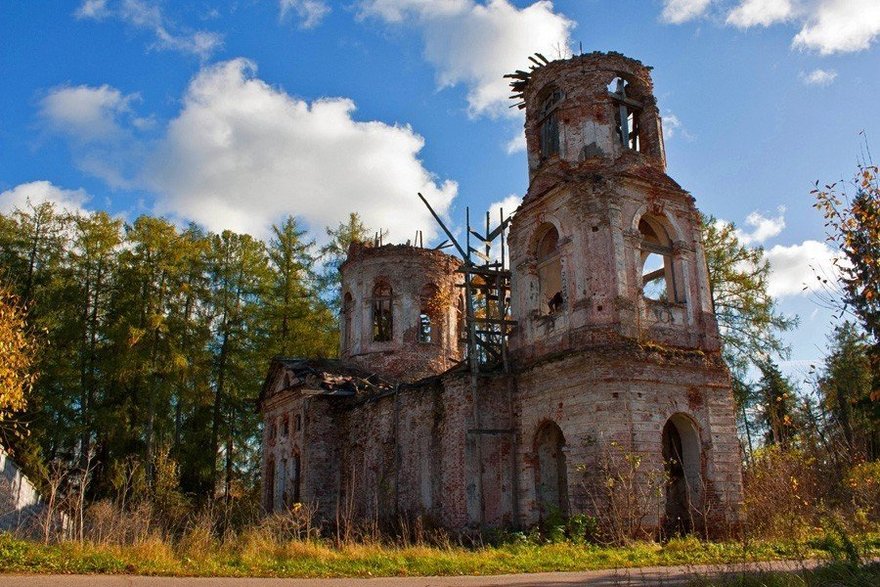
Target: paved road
x=662, y=576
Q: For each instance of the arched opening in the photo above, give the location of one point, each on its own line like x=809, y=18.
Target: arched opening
x=383, y=326
x=347, y=305
x=681, y=459
x=657, y=264
x=550, y=271
x=551, y=478
x=548, y=121
x=428, y=314
x=627, y=111
x=269, y=485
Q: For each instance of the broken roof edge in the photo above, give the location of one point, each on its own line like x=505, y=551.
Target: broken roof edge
x=520, y=79
x=333, y=376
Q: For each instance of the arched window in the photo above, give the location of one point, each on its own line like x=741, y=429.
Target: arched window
x=428, y=313
x=658, y=271
x=549, y=122
x=551, y=479
x=550, y=271
x=346, y=321
x=383, y=326
x=627, y=111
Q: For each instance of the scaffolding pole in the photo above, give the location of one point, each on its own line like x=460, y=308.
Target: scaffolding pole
x=487, y=320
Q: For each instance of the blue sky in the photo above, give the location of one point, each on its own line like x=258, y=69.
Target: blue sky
x=236, y=114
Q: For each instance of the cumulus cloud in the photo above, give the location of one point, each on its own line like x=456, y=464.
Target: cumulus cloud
x=86, y=113
x=99, y=122
x=793, y=269
x=839, y=26
x=38, y=192
x=826, y=26
x=679, y=11
x=760, y=13
x=310, y=12
x=242, y=154
x=146, y=16
x=819, y=77
x=475, y=44
x=762, y=228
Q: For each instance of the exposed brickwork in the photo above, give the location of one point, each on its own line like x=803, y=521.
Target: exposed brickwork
x=610, y=368
x=407, y=270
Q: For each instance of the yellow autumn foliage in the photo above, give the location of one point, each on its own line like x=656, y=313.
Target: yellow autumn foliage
x=17, y=355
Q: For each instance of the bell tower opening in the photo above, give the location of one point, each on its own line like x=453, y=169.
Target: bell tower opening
x=627, y=112
x=550, y=271
x=657, y=262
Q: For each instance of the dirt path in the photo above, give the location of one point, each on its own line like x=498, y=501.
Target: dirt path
x=663, y=576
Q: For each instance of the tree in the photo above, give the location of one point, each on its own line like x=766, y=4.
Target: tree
x=845, y=386
x=854, y=228
x=334, y=254
x=778, y=402
x=748, y=319
x=300, y=321
x=17, y=355
x=239, y=279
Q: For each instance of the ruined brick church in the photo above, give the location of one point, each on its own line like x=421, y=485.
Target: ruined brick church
x=608, y=342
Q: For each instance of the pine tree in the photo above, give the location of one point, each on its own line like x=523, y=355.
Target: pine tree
x=845, y=385
x=334, y=254
x=778, y=399
x=300, y=321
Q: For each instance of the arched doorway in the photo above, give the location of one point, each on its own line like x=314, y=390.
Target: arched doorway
x=681, y=458
x=551, y=480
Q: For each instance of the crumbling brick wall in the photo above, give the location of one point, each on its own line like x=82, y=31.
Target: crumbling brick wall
x=408, y=270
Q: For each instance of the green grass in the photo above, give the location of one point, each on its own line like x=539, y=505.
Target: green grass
x=257, y=556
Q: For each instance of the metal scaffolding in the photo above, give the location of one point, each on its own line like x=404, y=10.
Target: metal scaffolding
x=488, y=324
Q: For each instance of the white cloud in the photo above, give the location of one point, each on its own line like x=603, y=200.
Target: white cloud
x=819, y=77
x=508, y=205
x=760, y=13
x=762, y=228
x=99, y=122
x=794, y=269
x=679, y=11
x=839, y=26
x=37, y=192
x=143, y=15
x=673, y=127
x=86, y=113
x=826, y=26
x=242, y=154
x=516, y=145
x=95, y=9
x=311, y=12
x=475, y=44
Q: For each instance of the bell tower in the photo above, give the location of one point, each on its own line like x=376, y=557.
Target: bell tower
x=605, y=245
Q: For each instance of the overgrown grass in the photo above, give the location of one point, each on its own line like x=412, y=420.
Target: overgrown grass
x=258, y=556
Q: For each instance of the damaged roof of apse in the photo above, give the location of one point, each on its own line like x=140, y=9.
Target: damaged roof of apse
x=325, y=377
